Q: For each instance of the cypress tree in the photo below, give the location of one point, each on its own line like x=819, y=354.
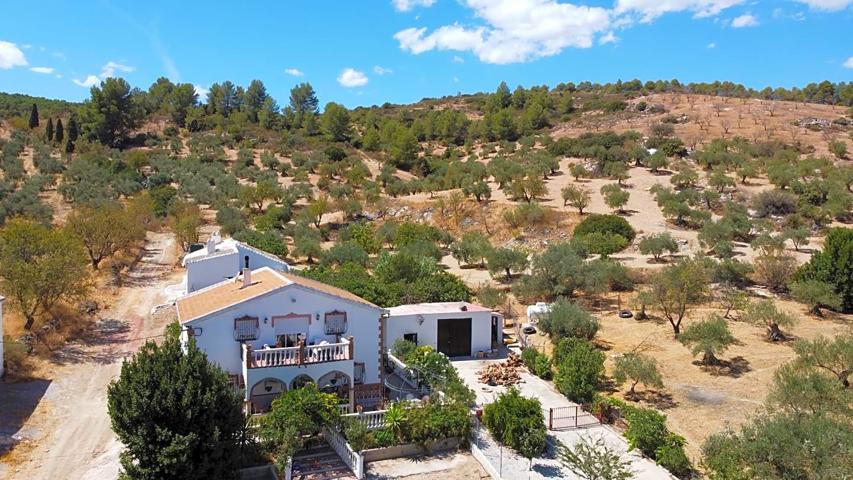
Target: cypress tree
x=48, y=131
x=69, y=146
x=73, y=130
x=34, y=117
x=60, y=132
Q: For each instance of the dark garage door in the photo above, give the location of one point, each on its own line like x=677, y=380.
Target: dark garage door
x=454, y=337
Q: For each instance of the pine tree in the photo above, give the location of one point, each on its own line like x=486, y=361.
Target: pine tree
x=34, y=117
x=73, y=130
x=59, y=135
x=48, y=131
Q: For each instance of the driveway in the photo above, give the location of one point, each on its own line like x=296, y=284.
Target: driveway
x=510, y=465
x=69, y=434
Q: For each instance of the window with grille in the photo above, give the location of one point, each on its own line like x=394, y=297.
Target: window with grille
x=336, y=323
x=358, y=373
x=246, y=328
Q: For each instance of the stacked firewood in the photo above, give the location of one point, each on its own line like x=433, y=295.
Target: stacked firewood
x=504, y=373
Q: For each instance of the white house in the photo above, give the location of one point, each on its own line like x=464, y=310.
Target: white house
x=2, y=301
x=457, y=329
x=273, y=331
x=224, y=259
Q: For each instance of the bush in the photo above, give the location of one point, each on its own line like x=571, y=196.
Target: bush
x=537, y=363
x=774, y=203
x=833, y=265
x=525, y=215
x=605, y=224
x=646, y=430
x=579, y=369
x=672, y=457
x=567, y=319
x=517, y=422
x=436, y=421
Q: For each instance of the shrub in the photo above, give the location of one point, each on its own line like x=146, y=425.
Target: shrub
x=436, y=421
x=646, y=430
x=774, y=203
x=672, y=457
x=567, y=319
x=604, y=243
x=815, y=294
x=517, y=422
x=525, y=215
x=605, y=224
x=775, y=270
x=579, y=369
x=537, y=363
x=834, y=265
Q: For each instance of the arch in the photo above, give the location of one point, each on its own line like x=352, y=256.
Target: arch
x=336, y=382
x=264, y=392
x=300, y=381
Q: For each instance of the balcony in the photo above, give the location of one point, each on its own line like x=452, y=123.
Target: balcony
x=299, y=355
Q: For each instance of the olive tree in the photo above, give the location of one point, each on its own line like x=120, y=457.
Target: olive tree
x=676, y=288
x=594, y=460
x=815, y=294
x=765, y=313
x=637, y=368
x=656, y=244
x=708, y=337
x=575, y=196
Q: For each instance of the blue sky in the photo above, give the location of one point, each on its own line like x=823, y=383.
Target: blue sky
x=399, y=51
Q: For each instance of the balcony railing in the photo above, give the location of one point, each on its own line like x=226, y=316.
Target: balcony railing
x=298, y=355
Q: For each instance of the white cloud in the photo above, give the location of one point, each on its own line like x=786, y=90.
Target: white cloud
x=610, y=37
x=89, y=81
x=848, y=63
x=515, y=30
x=45, y=70
x=11, y=56
x=458, y=59
x=406, y=5
x=828, y=5
x=294, y=72
x=110, y=69
x=651, y=9
x=201, y=91
x=382, y=70
x=351, y=77
x=712, y=45
x=455, y=79
x=745, y=20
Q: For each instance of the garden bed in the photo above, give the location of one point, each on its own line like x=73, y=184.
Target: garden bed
x=411, y=449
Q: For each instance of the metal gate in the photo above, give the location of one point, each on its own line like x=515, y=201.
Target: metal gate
x=566, y=418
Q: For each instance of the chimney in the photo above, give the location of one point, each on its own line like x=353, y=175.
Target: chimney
x=247, y=277
x=211, y=245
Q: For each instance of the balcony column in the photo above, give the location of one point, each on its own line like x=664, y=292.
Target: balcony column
x=247, y=355
x=351, y=347
x=351, y=392
x=301, y=354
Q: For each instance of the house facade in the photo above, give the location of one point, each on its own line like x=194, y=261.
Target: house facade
x=272, y=331
x=456, y=329
x=224, y=259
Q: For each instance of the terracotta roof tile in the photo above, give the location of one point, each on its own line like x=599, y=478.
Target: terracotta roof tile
x=225, y=294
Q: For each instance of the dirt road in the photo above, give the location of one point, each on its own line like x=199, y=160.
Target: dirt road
x=76, y=441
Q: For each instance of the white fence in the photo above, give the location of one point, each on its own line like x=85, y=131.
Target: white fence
x=372, y=420
x=339, y=444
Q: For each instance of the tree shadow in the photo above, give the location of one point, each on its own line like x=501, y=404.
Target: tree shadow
x=103, y=344
x=17, y=402
x=734, y=367
x=660, y=400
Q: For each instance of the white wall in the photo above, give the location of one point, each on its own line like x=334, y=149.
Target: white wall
x=217, y=330
x=204, y=273
x=256, y=260
x=481, y=328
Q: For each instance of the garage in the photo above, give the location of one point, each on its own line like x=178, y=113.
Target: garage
x=454, y=337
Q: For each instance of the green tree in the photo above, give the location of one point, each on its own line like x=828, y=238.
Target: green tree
x=179, y=101
x=111, y=114
x=656, y=244
x=73, y=129
x=336, y=122
x=506, y=260
x=306, y=243
x=472, y=248
x=185, y=221
x=764, y=313
x=637, y=368
x=815, y=294
x=678, y=287
x=580, y=368
x=40, y=267
x=511, y=418
x=34, y=117
x=833, y=265
x=575, y=196
x=48, y=130
x=568, y=319
x=828, y=355
x=104, y=230
x=303, y=102
x=176, y=414
x=59, y=135
x=615, y=197
x=708, y=337
x=594, y=460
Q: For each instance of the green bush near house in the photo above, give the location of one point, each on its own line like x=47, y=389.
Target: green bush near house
x=517, y=422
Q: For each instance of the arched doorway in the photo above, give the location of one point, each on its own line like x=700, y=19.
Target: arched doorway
x=264, y=392
x=300, y=381
x=335, y=382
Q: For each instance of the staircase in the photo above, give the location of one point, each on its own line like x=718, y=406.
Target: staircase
x=320, y=463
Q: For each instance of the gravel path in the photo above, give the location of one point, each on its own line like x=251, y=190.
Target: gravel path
x=74, y=438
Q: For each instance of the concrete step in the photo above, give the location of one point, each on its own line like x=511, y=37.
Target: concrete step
x=320, y=463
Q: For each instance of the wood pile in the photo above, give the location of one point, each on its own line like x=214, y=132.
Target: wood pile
x=504, y=373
